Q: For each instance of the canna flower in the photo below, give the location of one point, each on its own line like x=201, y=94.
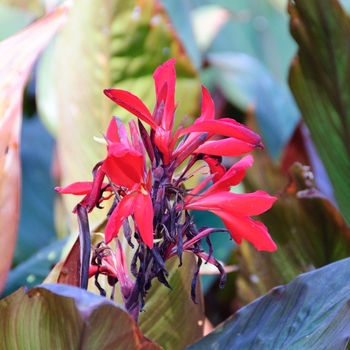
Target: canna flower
x=235, y=209
x=145, y=172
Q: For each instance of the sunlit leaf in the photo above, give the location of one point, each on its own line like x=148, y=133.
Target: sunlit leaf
x=312, y=312
x=319, y=78
x=207, y=22
x=171, y=319
x=18, y=54
x=63, y=317
x=31, y=6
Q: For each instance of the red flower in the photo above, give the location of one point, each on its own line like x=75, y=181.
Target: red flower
x=235, y=209
x=142, y=170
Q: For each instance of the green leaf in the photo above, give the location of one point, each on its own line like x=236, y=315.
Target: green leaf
x=258, y=29
x=64, y=317
x=246, y=83
x=312, y=312
x=179, y=13
x=171, y=319
x=34, y=270
x=319, y=77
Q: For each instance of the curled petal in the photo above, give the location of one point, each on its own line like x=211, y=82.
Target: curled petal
x=215, y=167
x=95, y=193
x=229, y=147
x=226, y=127
x=132, y=104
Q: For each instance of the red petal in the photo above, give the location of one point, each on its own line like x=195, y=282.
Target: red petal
x=77, y=188
x=124, y=166
x=166, y=74
x=161, y=140
x=253, y=231
x=233, y=176
x=120, y=213
x=208, y=113
x=227, y=147
x=215, y=168
x=132, y=104
x=112, y=131
x=143, y=214
x=208, y=110
x=226, y=127
x=247, y=204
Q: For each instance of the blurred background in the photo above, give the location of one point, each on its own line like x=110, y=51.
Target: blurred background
x=244, y=53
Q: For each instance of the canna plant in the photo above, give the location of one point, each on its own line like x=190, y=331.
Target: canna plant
x=156, y=172
x=145, y=172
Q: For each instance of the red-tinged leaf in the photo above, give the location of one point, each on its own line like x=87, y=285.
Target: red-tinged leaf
x=18, y=54
x=9, y=212
x=297, y=149
x=132, y=104
x=143, y=213
x=253, y=231
x=70, y=271
x=120, y=213
x=247, y=204
x=226, y=147
x=60, y=317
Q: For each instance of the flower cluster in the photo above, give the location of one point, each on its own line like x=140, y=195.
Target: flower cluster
x=146, y=172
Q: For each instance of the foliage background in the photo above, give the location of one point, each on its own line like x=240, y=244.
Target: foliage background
x=243, y=52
